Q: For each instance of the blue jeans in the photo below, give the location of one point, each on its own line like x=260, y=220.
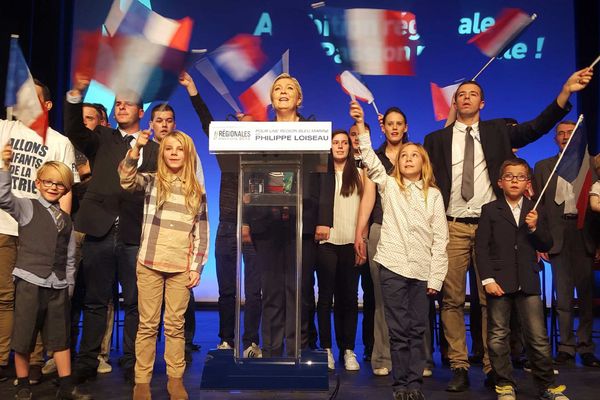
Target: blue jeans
x=407, y=314
x=531, y=317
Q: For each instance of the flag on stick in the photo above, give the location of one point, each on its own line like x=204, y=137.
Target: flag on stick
x=442, y=99
x=373, y=41
x=241, y=57
x=257, y=97
x=205, y=67
x=354, y=87
x=509, y=24
x=21, y=94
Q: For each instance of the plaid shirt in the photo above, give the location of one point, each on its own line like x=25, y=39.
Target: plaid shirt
x=172, y=239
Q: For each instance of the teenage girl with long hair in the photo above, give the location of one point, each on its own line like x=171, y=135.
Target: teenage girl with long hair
x=173, y=244
x=411, y=252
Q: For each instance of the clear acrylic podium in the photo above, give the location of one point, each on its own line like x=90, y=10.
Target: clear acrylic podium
x=271, y=191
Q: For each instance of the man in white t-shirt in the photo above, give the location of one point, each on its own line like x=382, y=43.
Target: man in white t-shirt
x=29, y=153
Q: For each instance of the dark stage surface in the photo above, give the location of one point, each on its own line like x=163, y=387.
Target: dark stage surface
x=582, y=383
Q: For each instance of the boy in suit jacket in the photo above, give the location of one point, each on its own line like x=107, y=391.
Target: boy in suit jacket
x=510, y=232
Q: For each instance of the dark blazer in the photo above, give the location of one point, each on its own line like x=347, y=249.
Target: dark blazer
x=497, y=140
x=507, y=252
x=104, y=199
x=555, y=212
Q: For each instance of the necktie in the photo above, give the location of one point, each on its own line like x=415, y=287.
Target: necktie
x=467, y=187
x=58, y=217
x=127, y=139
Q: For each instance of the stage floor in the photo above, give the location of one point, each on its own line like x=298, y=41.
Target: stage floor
x=582, y=383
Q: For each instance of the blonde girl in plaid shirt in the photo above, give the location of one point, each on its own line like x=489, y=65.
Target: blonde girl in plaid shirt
x=172, y=253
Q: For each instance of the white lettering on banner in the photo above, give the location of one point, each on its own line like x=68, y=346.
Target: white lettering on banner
x=299, y=137
x=27, y=157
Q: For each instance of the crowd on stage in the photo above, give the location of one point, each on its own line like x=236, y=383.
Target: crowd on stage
x=124, y=205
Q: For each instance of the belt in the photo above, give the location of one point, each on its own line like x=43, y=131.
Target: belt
x=464, y=220
x=569, y=216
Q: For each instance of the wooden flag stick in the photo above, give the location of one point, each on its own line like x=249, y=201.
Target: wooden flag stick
x=562, y=153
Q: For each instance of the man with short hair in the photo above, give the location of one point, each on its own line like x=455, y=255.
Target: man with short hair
x=111, y=220
x=466, y=158
x=571, y=256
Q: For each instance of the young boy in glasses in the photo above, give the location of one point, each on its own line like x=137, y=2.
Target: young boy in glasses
x=510, y=232
x=43, y=273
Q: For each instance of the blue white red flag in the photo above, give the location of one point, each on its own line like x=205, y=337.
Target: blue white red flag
x=241, y=56
x=257, y=97
x=373, y=41
x=509, y=24
x=21, y=94
x=354, y=87
x=574, y=167
x=143, y=54
x=441, y=98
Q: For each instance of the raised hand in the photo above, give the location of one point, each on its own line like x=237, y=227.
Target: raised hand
x=187, y=82
x=356, y=112
x=142, y=139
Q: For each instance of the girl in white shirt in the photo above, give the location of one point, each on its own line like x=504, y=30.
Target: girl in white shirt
x=336, y=271
x=411, y=251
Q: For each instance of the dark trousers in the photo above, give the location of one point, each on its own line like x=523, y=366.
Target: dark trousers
x=572, y=269
x=337, y=276
x=226, y=259
x=475, y=315
x=368, y=322
x=406, y=313
x=530, y=313
x=104, y=260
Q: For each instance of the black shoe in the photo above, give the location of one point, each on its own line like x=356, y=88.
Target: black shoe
x=83, y=375
x=74, y=394
x=4, y=373
x=23, y=393
x=401, y=394
x=476, y=358
x=590, y=360
x=563, y=358
x=35, y=374
x=415, y=394
x=129, y=375
x=490, y=380
x=459, y=381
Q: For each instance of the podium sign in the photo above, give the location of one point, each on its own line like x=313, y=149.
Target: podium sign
x=251, y=137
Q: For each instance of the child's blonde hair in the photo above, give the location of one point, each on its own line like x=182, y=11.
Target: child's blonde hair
x=66, y=175
x=426, y=171
x=192, y=190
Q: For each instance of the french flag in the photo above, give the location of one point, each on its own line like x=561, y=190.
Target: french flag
x=21, y=94
x=442, y=100
x=373, y=41
x=241, y=56
x=257, y=97
x=354, y=87
x=143, y=54
x=509, y=24
x=574, y=167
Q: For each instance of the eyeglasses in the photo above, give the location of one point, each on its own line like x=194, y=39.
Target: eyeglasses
x=58, y=185
x=510, y=177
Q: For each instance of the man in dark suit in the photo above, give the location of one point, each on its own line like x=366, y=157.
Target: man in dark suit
x=571, y=257
x=111, y=219
x=510, y=232
x=466, y=158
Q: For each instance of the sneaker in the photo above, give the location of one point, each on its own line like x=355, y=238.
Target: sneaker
x=252, y=351
x=350, y=362
x=49, y=367
x=35, y=374
x=427, y=372
x=24, y=394
x=330, y=360
x=459, y=381
x=224, y=346
x=555, y=393
x=506, y=392
x=103, y=366
x=381, y=371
